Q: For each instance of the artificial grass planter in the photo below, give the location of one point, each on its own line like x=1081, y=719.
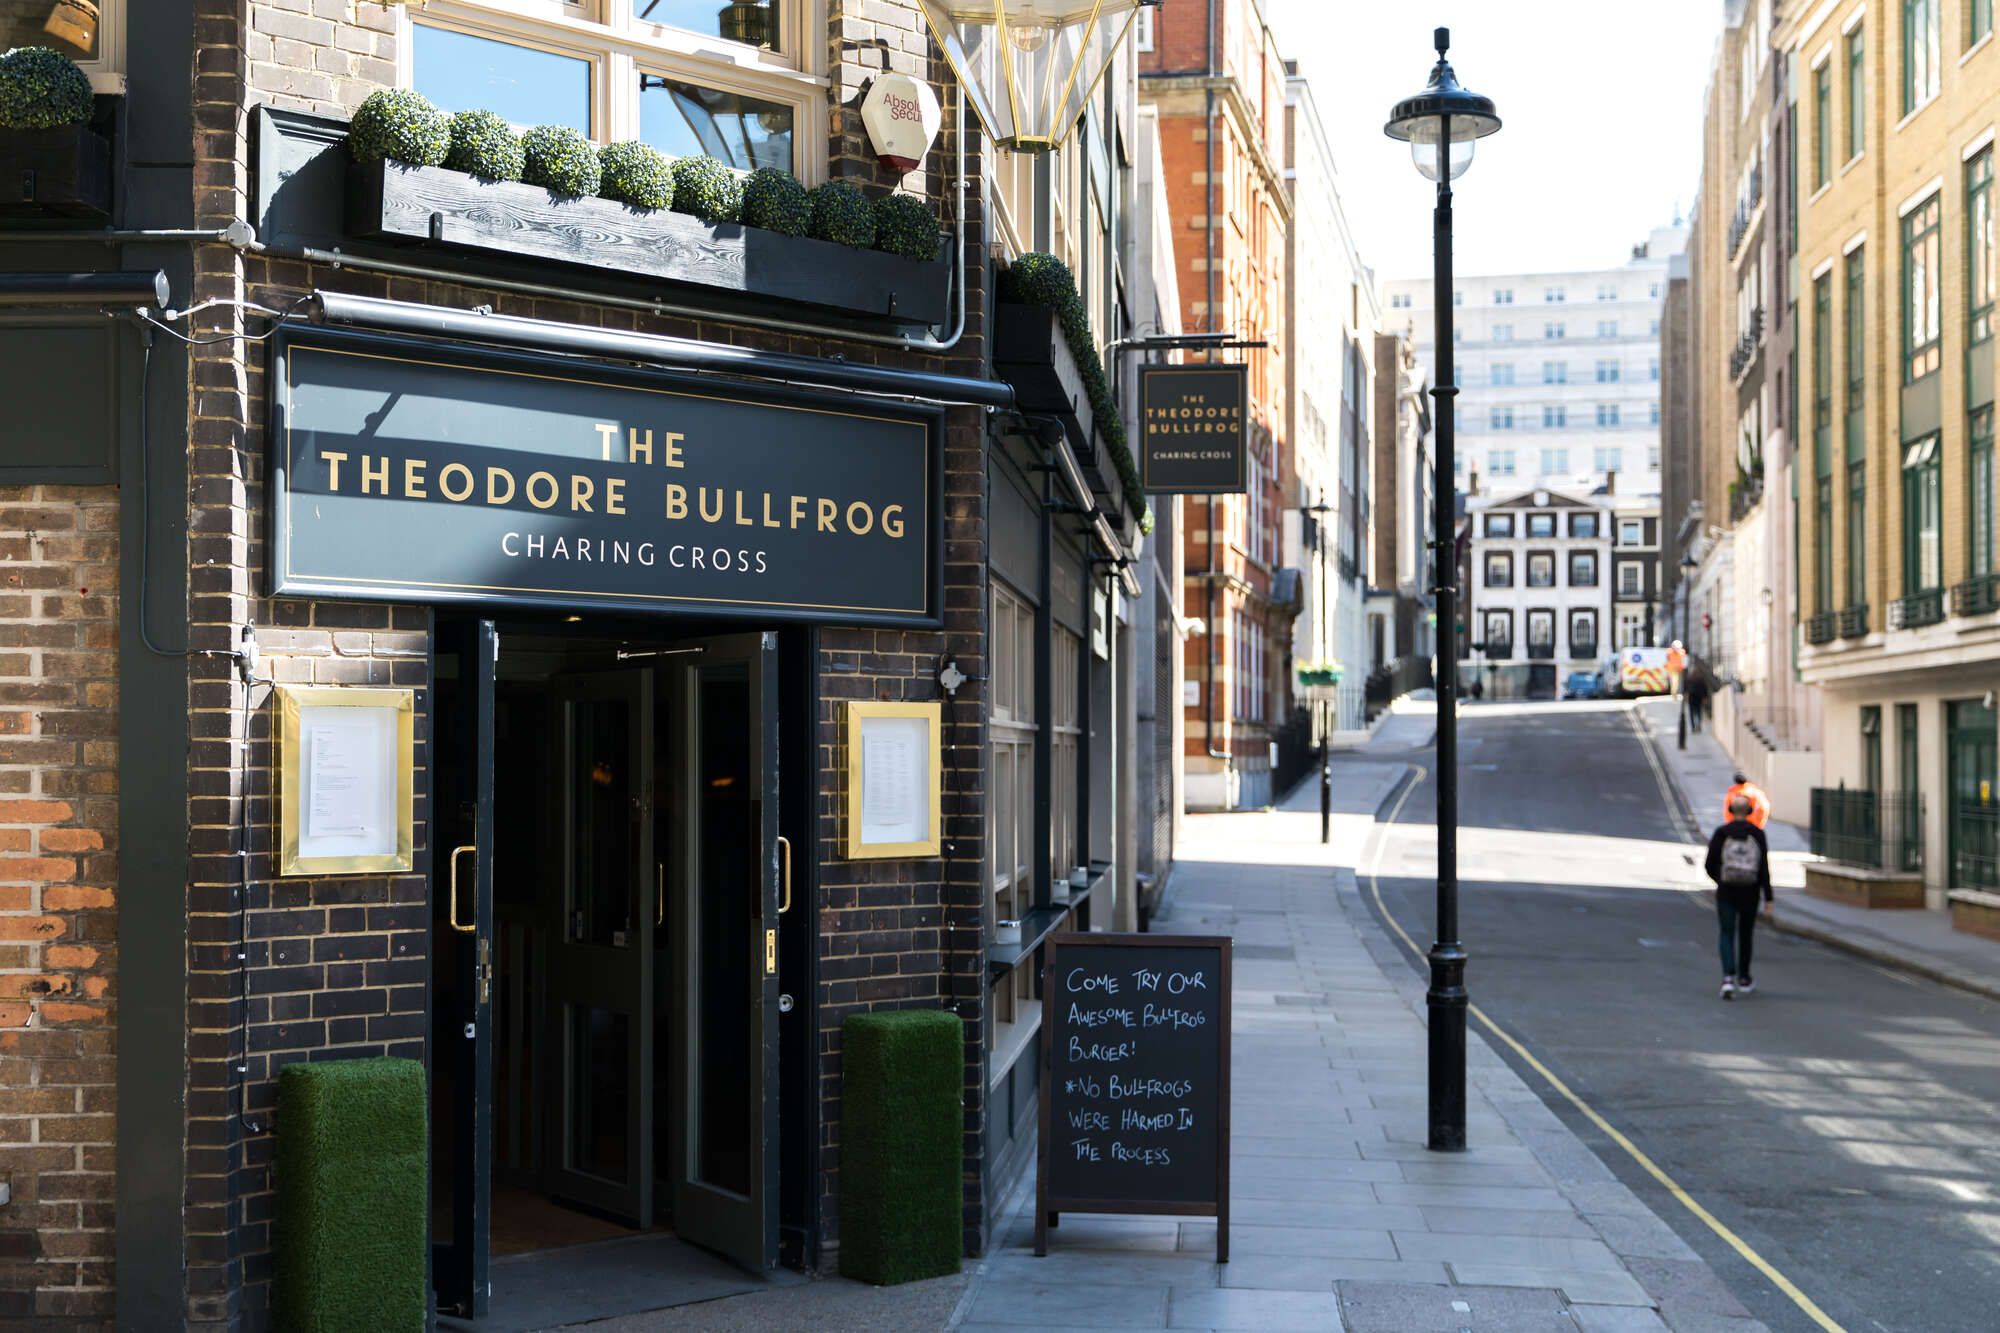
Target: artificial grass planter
x=636, y=173
x=351, y=1238
x=903, y=1126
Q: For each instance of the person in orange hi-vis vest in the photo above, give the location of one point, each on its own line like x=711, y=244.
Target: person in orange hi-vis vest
x=1760, y=804
x=1677, y=658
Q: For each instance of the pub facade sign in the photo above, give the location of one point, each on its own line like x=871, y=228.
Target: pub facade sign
x=407, y=471
x=1192, y=429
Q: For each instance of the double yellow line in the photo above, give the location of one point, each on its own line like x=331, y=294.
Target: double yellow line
x=1652, y=1168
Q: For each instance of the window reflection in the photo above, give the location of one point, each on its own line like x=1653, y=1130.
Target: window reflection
x=459, y=71
x=70, y=26
x=683, y=119
x=751, y=22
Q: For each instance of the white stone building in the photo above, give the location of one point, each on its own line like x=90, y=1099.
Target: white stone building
x=1332, y=315
x=1558, y=373
x=1540, y=598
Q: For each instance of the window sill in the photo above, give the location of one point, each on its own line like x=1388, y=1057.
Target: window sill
x=1850, y=164
x=1013, y=1040
x=1918, y=111
x=1978, y=46
x=1819, y=192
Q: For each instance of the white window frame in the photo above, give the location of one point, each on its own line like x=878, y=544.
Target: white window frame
x=620, y=48
x=1142, y=27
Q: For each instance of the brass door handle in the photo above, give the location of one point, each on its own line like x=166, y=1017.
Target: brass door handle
x=785, y=875
x=457, y=852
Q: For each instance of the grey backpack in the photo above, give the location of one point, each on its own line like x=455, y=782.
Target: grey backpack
x=1739, y=862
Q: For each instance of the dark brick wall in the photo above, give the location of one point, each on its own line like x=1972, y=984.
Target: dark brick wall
x=339, y=966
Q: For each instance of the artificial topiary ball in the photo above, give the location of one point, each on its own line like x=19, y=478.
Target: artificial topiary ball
x=905, y=225
x=636, y=173
x=707, y=189
x=843, y=215
x=482, y=145
x=775, y=201
x=557, y=158
x=401, y=125
x=41, y=88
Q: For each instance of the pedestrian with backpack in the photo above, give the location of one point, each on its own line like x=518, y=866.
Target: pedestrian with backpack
x=1739, y=861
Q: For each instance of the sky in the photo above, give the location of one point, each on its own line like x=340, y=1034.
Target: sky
x=1600, y=103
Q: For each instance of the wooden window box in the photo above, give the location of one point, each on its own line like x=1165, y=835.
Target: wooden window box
x=1030, y=353
x=431, y=206
x=57, y=173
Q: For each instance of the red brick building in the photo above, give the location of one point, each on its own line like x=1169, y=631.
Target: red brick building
x=1215, y=77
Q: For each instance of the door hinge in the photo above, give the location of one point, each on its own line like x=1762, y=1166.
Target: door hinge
x=770, y=953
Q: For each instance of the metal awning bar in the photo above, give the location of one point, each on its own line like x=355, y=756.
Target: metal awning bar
x=101, y=290
x=654, y=349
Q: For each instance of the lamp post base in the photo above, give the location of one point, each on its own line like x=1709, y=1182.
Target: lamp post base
x=1447, y=1003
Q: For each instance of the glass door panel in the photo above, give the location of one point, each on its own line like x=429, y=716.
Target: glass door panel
x=600, y=993
x=725, y=890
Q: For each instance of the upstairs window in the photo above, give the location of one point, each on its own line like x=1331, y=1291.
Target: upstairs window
x=90, y=32
x=1922, y=53
x=1922, y=305
x=1553, y=330
x=1555, y=372
x=1541, y=525
x=736, y=81
x=1503, y=296
x=1857, y=106
x=1822, y=80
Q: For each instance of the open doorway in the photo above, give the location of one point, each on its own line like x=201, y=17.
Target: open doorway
x=605, y=870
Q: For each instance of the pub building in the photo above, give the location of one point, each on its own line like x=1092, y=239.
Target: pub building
x=435, y=617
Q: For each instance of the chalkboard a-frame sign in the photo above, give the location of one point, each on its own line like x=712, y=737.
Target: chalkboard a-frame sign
x=1135, y=1079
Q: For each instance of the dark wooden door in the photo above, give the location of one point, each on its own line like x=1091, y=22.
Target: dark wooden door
x=598, y=1005
x=727, y=887
x=462, y=1014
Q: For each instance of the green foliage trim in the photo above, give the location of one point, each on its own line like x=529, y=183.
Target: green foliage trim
x=707, y=189
x=401, y=125
x=636, y=173
x=483, y=145
x=843, y=215
x=560, y=159
x=1042, y=279
x=906, y=226
x=776, y=201
x=42, y=89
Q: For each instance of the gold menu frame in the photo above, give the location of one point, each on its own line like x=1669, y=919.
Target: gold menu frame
x=859, y=713
x=293, y=700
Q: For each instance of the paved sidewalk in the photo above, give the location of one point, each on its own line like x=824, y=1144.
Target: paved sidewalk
x=1922, y=942
x=1340, y=1216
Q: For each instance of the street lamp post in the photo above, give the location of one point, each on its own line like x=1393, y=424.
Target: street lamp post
x=1441, y=124
x=1310, y=513
x=1688, y=567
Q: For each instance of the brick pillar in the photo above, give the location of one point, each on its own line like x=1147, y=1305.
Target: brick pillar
x=58, y=918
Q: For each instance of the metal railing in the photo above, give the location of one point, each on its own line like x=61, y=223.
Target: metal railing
x=1819, y=627
x=1854, y=621
x=1976, y=596
x=1975, y=846
x=1392, y=680
x=1541, y=652
x=1874, y=830
x=1917, y=610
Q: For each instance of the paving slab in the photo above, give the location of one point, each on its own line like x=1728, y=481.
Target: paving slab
x=1334, y=1189
x=1406, y=1307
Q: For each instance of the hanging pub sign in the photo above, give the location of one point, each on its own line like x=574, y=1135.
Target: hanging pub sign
x=1192, y=438
x=408, y=471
